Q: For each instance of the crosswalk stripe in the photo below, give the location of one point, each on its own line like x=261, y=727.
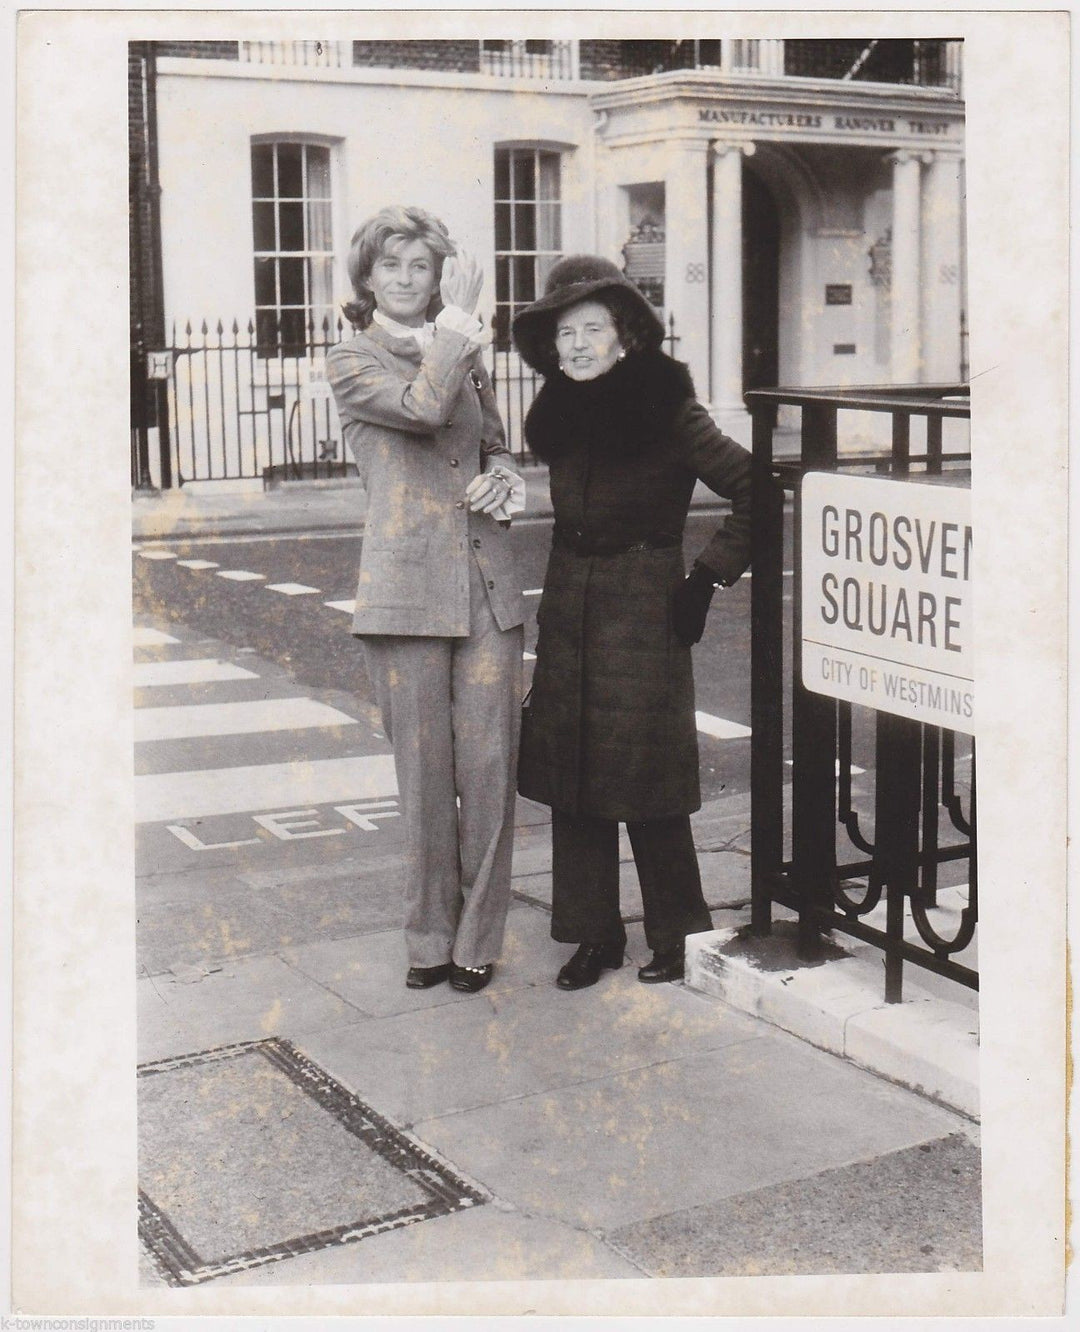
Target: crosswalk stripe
x=290, y=589
x=347, y=606
x=157, y=555
x=199, y=564
x=239, y=575
x=258, y=715
x=165, y=797
x=198, y=670
x=719, y=727
x=141, y=636
x=532, y=591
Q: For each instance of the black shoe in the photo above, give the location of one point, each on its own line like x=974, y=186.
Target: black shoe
x=669, y=965
x=588, y=962
x=423, y=978
x=470, y=979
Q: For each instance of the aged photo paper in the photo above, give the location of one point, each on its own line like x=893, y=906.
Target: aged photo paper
x=75, y=1244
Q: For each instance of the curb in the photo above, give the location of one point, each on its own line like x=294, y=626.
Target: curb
x=925, y=1043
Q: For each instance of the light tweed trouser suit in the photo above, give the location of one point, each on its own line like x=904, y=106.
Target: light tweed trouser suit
x=452, y=706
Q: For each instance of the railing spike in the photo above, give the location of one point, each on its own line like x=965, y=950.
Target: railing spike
x=220, y=328
x=251, y=328
x=235, y=327
x=204, y=330
x=188, y=329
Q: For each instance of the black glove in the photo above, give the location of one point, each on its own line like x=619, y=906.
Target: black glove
x=690, y=605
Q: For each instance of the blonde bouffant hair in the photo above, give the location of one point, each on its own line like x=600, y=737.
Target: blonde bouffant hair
x=390, y=226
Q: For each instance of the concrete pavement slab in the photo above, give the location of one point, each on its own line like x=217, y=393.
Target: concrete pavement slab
x=213, y=916
x=369, y=970
x=915, y=1210
x=485, y=1243
x=245, y=1000
x=687, y=1131
x=501, y=1046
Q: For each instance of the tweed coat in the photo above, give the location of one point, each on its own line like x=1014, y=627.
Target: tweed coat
x=420, y=427
x=610, y=730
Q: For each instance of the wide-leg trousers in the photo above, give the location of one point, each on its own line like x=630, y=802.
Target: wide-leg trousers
x=451, y=708
x=585, y=880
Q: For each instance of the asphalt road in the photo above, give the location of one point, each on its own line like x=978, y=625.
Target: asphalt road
x=312, y=641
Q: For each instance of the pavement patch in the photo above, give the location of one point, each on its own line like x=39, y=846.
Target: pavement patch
x=915, y=1210
x=251, y=1153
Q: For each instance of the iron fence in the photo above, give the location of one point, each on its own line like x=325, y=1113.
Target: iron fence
x=221, y=403
x=817, y=854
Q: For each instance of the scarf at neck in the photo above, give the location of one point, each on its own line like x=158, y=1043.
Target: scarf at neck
x=623, y=412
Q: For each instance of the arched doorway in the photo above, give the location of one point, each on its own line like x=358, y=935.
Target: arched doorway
x=761, y=283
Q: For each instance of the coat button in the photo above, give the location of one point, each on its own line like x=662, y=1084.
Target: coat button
x=460, y=504
x=453, y=462
x=448, y=425
x=490, y=583
x=476, y=542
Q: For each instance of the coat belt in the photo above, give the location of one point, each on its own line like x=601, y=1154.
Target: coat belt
x=580, y=543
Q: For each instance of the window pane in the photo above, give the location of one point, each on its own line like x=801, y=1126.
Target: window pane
x=524, y=226
x=264, y=226
x=292, y=281
x=290, y=180
x=291, y=222
x=502, y=174
x=549, y=176
x=320, y=281
x=318, y=172
x=524, y=171
x=318, y=227
x=538, y=48
x=262, y=170
x=502, y=227
x=293, y=330
x=502, y=278
x=265, y=293
x=524, y=269
x=501, y=326
x=550, y=229
x=544, y=264
x=266, y=330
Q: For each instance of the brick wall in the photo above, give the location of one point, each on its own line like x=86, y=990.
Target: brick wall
x=201, y=50
x=143, y=300
x=462, y=57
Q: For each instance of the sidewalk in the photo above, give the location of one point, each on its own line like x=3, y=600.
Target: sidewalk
x=306, y=1119
x=219, y=509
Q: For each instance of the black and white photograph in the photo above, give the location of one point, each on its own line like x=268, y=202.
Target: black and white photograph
x=545, y=872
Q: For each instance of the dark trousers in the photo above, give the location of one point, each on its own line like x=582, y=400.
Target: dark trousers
x=585, y=881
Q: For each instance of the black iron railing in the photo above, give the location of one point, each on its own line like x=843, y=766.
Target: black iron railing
x=838, y=862
x=231, y=407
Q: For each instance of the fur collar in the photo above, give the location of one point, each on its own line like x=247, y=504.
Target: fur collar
x=624, y=412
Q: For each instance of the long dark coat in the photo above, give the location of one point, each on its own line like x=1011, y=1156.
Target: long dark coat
x=610, y=729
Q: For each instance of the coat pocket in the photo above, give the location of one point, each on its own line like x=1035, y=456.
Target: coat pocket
x=393, y=573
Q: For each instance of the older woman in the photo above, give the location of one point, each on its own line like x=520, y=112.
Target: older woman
x=611, y=734
x=438, y=606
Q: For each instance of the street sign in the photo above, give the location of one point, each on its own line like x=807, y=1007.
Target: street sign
x=886, y=596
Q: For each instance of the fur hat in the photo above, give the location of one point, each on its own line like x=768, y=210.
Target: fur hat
x=582, y=277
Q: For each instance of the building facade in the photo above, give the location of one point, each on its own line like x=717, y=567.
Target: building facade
x=795, y=209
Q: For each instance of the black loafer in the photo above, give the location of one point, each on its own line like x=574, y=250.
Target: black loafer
x=470, y=979
x=669, y=965
x=423, y=978
x=588, y=962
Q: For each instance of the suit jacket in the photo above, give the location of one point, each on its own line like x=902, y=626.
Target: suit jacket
x=420, y=428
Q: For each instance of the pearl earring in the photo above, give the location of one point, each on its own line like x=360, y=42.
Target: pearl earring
x=621, y=356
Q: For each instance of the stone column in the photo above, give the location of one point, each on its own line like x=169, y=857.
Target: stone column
x=906, y=350
x=942, y=222
x=686, y=255
x=726, y=387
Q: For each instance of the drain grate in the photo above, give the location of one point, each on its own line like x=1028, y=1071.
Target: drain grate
x=251, y=1153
